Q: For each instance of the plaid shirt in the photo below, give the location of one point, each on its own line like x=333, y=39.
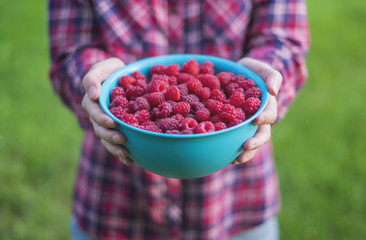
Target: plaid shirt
x=112, y=201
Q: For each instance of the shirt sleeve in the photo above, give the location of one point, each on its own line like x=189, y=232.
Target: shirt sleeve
x=74, y=47
x=279, y=36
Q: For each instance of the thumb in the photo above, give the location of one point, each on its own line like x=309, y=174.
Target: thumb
x=97, y=74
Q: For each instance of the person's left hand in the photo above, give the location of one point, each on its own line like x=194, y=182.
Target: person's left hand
x=273, y=80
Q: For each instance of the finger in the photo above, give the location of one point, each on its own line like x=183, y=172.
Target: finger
x=97, y=114
x=262, y=136
x=269, y=114
x=118, y=151
x=272, y=78
x=97, y=74
x=244, y=157
x=107, y=134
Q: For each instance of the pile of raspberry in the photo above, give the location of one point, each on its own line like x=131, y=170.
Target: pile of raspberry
x=190, y=99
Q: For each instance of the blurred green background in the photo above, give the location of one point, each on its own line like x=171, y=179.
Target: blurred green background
x=319, y=146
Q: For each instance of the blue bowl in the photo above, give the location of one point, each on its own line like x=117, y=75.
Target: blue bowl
x=184, y=156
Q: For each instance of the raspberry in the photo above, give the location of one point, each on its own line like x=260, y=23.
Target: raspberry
x=134, y=92
x=204, y=127
x=155, y=98
x=215, y=119
x=190, y=98
x=189, y=124
x=138, y=76
x=141, y=83
x=142, y=116
x=218, y=95
x=152, y=128
x=157, y=86
x=119, y=101
x=227, y=113
x=203, y=93
x=246, y=84
x=181, y=108
x=253, y=92
x=172, y=94
x=118, y=112
x=225, y=77
x=192, y=67
x=239, y=114
x=207, y=68
x=172, y=70
x=164, y=110
x=117, y=91
x=172, y=80
x=168, y=124
x=252, y=105
x=233, y=87
x=174, y=131
x=159, y=77
x=141, y=103
x=193, y=85
x=179, y=119
x=219, y=126
x=214, y=106
x=126, y=82
x=203, y=115
x=158, y=69
x=195, y=106
x=237, y=99
x=183, y=90
x=210, y=81
x=184, y=77
x=129, y=119
x=238, y=78
x=187, y=131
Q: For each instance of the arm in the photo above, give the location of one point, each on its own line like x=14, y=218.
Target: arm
x=276, y=47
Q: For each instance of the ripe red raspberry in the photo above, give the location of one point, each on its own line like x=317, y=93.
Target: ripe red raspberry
x=218, y=95
x=152, y=128
x=142, y=116
x=187, y=131
x=227, y=113
x=225, y=77
x=172, y=94
x=158, y=69
x=155, y=98
x=203, y=115
x=184, y=77
x=175, y=131
x=117, y=91
x=179, y=118
x=193, y=85
x=204, y=127
x=203, y=93
x=141, y=83
x=119, y=101
x=172, y=70
x=246, y=84
x=164, y=110
x=157, y=86
x=192, y=67
x=189, y=124
x=219, y=126
x=181, y=108
x=134, y=92
x=141, y=103
x=183, y=90
x=118, y=112
x=126, y=82
x=253, y=92
x=129, y=119
x=138, y=76
x=237, y=99
x=239, y=114
x=207, y=68
x=238, y=78
x=172, y=80
x=190, y=98
x=252, y=105
x=233, y=87
x=159, y=77
x=166, y=124
x=214, y=106
x=210, y=81
x=215, y=119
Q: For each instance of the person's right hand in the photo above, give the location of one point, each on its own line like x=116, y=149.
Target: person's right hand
x=103, y=125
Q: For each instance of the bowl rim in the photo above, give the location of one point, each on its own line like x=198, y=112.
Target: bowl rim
x=135, y=66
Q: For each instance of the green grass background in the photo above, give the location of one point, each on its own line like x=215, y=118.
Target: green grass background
x=319, y=146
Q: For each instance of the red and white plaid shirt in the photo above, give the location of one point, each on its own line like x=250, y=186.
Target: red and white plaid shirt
x=112, y=201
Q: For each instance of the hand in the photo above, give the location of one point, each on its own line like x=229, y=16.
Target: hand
x=273, y=80
x=103, y=125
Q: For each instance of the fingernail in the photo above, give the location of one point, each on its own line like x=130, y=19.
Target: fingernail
x=117, y=139
x=120, y=153
x=92, y=91
x=125, y=161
